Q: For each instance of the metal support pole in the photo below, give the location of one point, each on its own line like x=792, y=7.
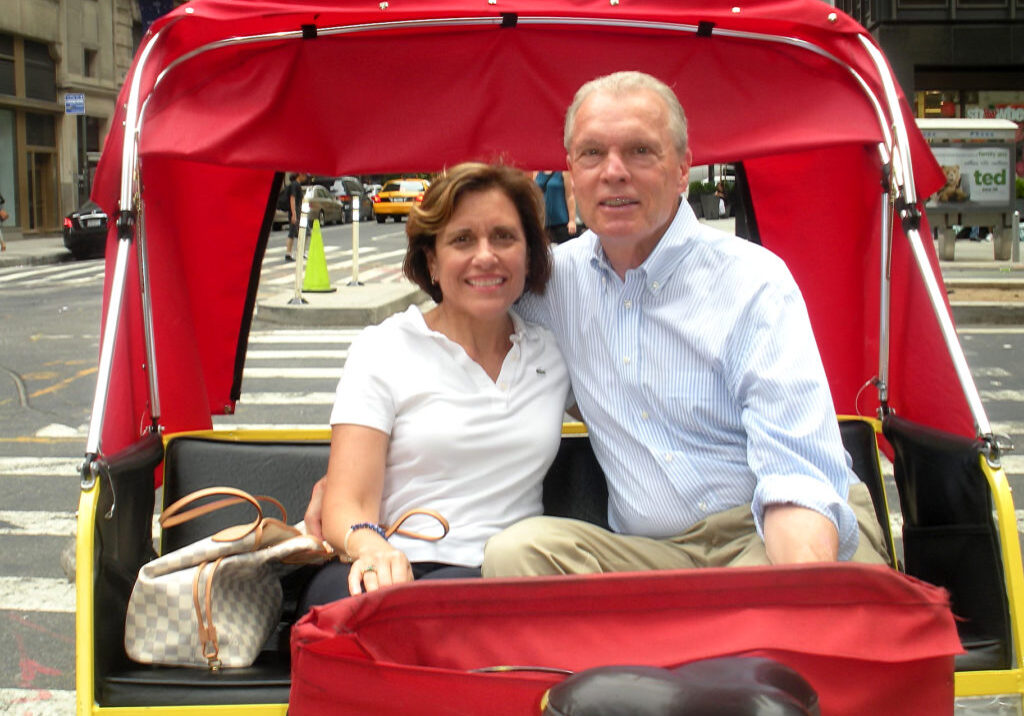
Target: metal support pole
x=355, y=243
x=1015, y=238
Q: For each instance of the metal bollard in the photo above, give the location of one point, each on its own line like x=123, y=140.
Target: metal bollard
x=300, y=261
x=1015, y=238
x=355, y=243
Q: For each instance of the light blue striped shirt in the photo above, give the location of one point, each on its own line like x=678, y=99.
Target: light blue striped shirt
x=699, y=379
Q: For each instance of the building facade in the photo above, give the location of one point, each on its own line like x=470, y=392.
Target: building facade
x=62, y=63
x=953, y=58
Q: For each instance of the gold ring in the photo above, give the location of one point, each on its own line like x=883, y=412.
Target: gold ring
x=368, y=568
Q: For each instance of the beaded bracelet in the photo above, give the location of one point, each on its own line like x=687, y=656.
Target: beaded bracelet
x=363, y=526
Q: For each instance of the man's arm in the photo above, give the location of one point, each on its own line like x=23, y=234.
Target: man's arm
x=794, y=535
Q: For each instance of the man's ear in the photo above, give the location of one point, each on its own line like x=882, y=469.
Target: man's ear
x=684, y=174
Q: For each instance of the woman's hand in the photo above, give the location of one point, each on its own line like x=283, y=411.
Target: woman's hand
x=378, y=566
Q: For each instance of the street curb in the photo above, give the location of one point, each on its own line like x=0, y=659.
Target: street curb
x=14, y=260
x=987, y=312
x=348, y=306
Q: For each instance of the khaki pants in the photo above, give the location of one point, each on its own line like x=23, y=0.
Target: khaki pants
x=558, y=545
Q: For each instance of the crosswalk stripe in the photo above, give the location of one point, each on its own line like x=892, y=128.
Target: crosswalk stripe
x=990, y=329
x=36, y=523
x=37, y=594
x=343, y=335
x=309, y=354
x=304, y=372
x=270, y=398
x=47, y=466
x=1007, y=395
x=37, y=702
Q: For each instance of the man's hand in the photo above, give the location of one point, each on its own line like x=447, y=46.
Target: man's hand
x=794, y=535
x=314, y=524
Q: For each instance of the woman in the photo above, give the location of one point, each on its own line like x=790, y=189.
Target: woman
x=457, y=410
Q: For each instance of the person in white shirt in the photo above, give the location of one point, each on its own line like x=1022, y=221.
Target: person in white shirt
x=456, y=410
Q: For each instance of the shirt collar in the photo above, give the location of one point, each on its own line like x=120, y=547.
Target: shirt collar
x=667, y=254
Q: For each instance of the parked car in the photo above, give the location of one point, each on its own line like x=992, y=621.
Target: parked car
x=344, y=189
x=85, y=231
x=322, y=206
x=397, y=197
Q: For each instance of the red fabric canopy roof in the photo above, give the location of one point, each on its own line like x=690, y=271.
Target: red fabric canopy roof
x=232, y=93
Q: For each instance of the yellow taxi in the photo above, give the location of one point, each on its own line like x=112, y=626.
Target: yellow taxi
x=397, y=197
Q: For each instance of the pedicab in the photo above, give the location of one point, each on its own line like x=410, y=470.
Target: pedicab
x=831, y=176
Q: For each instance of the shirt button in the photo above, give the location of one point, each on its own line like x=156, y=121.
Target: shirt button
x=703, y=506
x=644, y=415
x=668, y=457
x=627, y=303
x=503, y=385
x=655, y=286
x=625, y=360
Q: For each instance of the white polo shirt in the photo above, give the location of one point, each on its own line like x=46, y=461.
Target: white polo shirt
x=473, y=449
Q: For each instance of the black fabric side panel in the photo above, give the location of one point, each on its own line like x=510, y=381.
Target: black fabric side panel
x=743, y=208
x=859, y=440
x=949, y=535
x=575, y=485
x=123, y=543
x=254, y=281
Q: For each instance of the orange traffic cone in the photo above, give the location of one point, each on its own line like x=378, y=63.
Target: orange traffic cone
x=315, y=279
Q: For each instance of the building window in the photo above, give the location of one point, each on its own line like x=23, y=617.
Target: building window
x=922, y=4
x=6, y=64
x=89, y=62
x=40, y=130
x=93, y=125
x=40, y=72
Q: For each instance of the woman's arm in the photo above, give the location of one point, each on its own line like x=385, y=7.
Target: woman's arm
x=352, y=495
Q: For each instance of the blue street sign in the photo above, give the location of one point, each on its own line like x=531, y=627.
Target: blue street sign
x=74, y=104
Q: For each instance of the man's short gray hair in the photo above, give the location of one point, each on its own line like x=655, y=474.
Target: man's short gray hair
x=622, y=83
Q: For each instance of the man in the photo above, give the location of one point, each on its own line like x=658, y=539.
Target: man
x=694, y=366
x=294, y=210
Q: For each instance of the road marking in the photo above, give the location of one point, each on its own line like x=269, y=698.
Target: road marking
x=1010, y=427
x=41, y=466
x=37, y=702
x=1015, y=396
x=990, y=329
x=341, y=335
x=990, y=373
x=37, y=523
x=296, y=373
x=311, y=354
x=318, y=398
x=37, y=594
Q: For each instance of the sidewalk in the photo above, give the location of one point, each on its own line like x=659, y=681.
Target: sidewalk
x=34, y=252
x=973, y=274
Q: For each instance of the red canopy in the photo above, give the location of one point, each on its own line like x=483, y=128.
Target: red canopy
x=233, y=91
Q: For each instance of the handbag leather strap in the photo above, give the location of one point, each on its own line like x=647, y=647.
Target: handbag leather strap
x=174, y=515
x=395, y=527
x=204, y=617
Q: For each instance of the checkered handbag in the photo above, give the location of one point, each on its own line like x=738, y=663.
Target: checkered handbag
x=215, y=602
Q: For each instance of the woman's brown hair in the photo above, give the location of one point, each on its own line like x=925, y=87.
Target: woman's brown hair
x=447, y=189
